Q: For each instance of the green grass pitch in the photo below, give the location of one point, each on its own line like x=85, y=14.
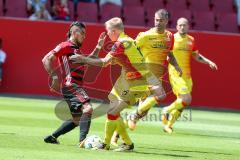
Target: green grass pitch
x=199, y=135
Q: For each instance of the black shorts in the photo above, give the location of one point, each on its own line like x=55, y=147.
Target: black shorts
x=76, y=97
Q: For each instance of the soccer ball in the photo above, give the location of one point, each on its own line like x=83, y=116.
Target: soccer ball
x=92, y=142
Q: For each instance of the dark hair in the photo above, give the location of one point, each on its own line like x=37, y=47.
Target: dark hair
x=163, y=12
x=76, y=23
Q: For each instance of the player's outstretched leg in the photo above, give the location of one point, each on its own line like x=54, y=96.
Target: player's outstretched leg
x=64, y=128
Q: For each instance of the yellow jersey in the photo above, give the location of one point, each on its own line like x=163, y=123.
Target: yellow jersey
x=126, y=54
x=155, y=47
x=183, y=49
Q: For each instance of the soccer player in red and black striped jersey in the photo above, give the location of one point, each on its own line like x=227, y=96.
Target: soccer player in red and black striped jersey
x=67, y=80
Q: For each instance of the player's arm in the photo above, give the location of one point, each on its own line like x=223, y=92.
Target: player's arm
x=172, y=60
x=101, y=62
x=99, y=46
x=200, y=58
x=48, y=63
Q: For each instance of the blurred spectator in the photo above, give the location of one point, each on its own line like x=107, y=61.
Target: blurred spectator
x=116, y=2
x=2, y=60
x=38, y=8
x=237, y=4
x=61, y=10
x=35, y=5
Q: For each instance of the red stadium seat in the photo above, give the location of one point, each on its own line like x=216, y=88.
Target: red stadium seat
x=221, y=6
x=87, y=12
x=147, y=4
x=150, y=12
x=131, y=3
x=71, y=10
x=176, y=4
x=1, y=8
x=227, y=22
x=16, y=8
x=197, y=5
x=204, y=21
x=134, y=16
x=108, y=11
x=175, y=15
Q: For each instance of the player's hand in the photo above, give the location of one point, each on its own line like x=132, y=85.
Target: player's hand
x=213, y=65
x=179, y=70
x=101, y=39
x=55, y=85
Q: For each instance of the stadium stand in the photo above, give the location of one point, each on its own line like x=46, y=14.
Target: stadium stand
x=202, y=6
x=87, y=12
x=1, y=8
x=150, y=16
x=176, y=5
x=200, y=13
x=223, y=6
x=16, y=8
x=134, y=15
x=108, y=11
x=204, y=21
x=227, y=23
x=174, y=15
x=71, y=10
x=132, y=3
x=153, y=4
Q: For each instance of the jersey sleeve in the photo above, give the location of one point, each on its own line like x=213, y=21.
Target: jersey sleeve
x=59, y=50
x=140, y=40
x=194, y=47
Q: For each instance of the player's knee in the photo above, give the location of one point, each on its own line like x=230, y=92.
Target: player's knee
x=87, y=108
x=159, y=93
x=187, y=99
x=76, y=120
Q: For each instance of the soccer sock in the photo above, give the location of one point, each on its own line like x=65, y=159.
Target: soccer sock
x=110, y=126
x=146, y=105
x=121, y=129
x=85, y=122
x=177, y=104
x=174, y=115
x=64, y=128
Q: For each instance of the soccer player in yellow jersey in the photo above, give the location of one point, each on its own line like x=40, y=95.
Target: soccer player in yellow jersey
x=129, y=87
x=156, y=46
x=184, y=48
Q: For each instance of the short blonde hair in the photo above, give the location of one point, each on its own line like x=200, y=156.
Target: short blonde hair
x=115, y=23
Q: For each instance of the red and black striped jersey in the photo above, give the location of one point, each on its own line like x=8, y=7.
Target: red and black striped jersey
x=70, y=73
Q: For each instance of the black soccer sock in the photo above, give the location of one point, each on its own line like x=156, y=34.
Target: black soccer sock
x=64, y=128
x=85, y=123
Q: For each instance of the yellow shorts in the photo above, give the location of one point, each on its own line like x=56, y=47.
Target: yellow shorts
x=180, y=85
x=129, y=91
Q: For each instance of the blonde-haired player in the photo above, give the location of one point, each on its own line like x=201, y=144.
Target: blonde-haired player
x=129, y=87
x=184, y=48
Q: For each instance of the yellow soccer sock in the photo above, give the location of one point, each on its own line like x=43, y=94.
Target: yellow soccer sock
x=121, y=129
x=146, y=105
x=177, y=104
x=110, y=127
x=174, y=115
